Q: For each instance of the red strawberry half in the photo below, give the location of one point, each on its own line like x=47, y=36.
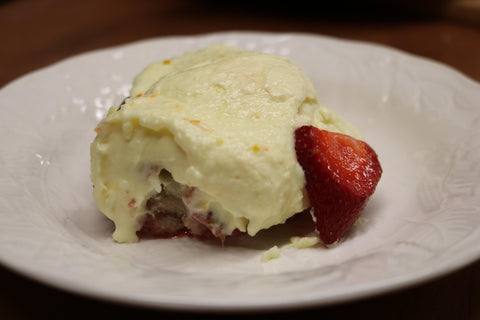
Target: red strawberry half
x=341, y=174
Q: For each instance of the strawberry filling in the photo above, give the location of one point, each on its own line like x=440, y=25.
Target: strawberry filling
x=168, y=216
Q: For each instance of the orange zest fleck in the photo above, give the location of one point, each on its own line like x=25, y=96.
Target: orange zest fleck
x=256, y=148
x=139, y=95
x=166, y=61
x=198, y=124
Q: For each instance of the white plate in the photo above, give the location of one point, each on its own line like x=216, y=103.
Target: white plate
x=422, y=118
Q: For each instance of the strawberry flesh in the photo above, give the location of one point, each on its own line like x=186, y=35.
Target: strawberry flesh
x=341, y=174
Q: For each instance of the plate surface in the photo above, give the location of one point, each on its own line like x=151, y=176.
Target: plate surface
x=421, y=117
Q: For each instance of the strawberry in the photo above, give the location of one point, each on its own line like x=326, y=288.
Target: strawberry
x=341, y=174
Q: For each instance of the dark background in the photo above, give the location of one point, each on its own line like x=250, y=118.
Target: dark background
x=36, y=33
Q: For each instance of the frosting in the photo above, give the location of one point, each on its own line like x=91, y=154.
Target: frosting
x=220, y=120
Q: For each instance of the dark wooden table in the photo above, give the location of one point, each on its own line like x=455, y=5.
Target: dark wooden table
x=36, y=33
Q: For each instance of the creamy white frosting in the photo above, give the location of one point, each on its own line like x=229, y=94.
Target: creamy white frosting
x=219, y=119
